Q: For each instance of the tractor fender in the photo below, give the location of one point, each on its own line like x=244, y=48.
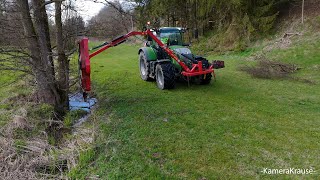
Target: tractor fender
x=149, y=53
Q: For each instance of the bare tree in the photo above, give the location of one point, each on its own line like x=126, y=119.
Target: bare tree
x=49, y=89
x=73, y=27
x=111, y=21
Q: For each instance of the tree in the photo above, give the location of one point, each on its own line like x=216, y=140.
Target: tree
x=235, y=20
x=73, y=27
x=49, y=89
x=111, y=21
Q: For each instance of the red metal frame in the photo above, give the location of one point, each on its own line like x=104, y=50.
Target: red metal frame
x=85, y=64
x=85, y=57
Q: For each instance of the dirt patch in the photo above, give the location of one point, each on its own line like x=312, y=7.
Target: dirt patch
x=268, y=69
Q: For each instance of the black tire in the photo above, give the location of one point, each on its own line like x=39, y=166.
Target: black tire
x=205, y=79
x=143, y=67
x=165, y=76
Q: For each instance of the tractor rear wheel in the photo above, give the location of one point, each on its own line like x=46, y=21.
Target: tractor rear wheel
x=143, y=66
x=165, y=76
x=205, y=79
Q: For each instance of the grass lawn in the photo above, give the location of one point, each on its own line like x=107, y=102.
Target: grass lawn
x=229, y=129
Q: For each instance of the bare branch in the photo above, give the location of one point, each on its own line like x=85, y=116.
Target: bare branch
x=50, y=2
x=113, y=5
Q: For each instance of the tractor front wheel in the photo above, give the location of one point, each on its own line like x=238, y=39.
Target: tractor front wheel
x=143, y=66
x=165, y=76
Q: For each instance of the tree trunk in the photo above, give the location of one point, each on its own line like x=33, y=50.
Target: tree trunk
x=63, y=63
x=37, y=45
x=37, y=34
x=46, y=80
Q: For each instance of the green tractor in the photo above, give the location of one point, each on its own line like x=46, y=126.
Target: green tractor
x=156, y=63
x=164, y=58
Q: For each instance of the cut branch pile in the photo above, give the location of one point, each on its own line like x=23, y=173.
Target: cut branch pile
x=270, y=69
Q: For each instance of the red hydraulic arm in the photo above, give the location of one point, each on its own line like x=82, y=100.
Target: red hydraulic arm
x=85, y=57
x=117, y=41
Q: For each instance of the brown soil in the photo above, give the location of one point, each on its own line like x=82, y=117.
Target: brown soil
x=268, y=69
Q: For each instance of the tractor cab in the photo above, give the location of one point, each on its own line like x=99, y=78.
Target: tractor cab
x=171, y=36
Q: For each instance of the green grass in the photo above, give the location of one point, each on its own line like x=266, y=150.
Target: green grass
x=10, y=87
x=19, y=145
x=72, y=117
x=231, y=128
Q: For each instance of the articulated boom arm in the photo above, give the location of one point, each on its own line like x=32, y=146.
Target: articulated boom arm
x=84, y=57
x=117, y=41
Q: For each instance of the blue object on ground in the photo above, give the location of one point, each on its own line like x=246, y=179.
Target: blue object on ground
x=76, y=102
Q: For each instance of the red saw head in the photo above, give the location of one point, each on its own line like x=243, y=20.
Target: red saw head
x=84, y=64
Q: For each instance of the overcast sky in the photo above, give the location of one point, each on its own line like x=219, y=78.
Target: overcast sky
x=87, y=8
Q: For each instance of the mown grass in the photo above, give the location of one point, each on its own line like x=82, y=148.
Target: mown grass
x=229, y=129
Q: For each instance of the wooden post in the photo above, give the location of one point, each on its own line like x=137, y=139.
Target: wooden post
x=302, y=13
